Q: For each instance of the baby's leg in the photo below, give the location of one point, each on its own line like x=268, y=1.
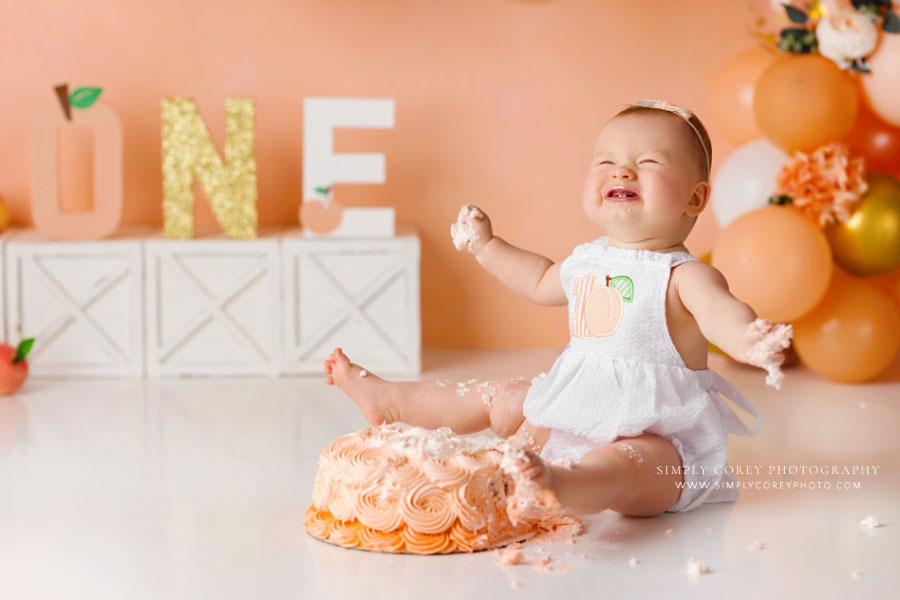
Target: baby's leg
x=463, y=407
x=623, y=476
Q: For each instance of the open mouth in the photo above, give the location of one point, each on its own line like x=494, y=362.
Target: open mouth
x=621, y=194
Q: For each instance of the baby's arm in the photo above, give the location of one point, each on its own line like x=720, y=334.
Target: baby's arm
x=529, y=275
x=729, y=323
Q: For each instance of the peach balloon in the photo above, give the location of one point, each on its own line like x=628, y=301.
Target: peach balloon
x=732, y=94
x=889, y=284
x=852, y=335
x=880, y=87
x=804, y=101
x=774, y=260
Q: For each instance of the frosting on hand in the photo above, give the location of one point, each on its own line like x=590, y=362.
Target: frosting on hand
x=764, y=345
x=465, y=236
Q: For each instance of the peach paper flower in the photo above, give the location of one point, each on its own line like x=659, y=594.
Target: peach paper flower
x=826, y=185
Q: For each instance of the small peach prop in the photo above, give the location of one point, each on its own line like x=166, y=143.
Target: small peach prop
x=804, y=101
x=732, y=94
x=604, y=306
x=13, y=366
x=776, y=261
x=852, y=335
x=321, y=215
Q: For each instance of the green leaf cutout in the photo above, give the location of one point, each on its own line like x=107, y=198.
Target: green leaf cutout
x=323, y=190
x=84, y=97
x=625, y=285
x=23, y=350
x=795, y=14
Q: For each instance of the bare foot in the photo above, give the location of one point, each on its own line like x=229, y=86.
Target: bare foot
x=370, y=392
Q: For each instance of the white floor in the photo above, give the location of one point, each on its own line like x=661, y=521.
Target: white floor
x=194, y=489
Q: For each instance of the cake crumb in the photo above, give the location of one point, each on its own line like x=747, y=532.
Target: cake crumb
x=543, y=564
x=632, y=562
x=565, y=463
x=515, y=584
x=757, y=545
x=509, y=556
x=871, y=521
x=440, y=383
x=669, y=532
x=363, y=373
x=864, y=404
x=856, y=574
x=696, y=567
x=708, y=531
x=632, y=452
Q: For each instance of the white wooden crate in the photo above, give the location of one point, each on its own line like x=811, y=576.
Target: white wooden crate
x=213, y=307
x=82, y=301
x=359, y=294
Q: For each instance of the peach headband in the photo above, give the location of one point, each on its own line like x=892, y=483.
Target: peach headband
x=684, y=114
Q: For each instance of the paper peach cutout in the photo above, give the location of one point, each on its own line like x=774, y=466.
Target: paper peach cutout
x=49, y=218
x=321, y=217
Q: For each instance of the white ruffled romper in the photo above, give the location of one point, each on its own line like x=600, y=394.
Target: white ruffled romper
x=620, y=375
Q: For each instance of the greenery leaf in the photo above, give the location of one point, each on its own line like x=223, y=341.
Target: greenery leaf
x=780, y=200
x=84, y=97
x=797, y=41
x=860, y=65
x=891, y=23
x=323, y=190
x=795, y=14
x=23, y=350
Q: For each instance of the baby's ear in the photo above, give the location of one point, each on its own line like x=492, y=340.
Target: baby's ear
x=699, y=198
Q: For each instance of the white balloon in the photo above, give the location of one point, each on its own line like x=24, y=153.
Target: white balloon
x=746, y=180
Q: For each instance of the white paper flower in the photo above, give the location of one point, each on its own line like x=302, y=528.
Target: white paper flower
x=846, y=35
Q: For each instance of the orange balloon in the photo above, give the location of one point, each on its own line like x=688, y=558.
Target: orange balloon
x=774, y=260
x=889, y=284
x=803, y=101
x=877, y=141
x=732, y=94
x=852, y=335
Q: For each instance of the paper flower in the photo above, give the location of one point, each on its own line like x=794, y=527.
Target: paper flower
x=846, y=35
x=826, y=185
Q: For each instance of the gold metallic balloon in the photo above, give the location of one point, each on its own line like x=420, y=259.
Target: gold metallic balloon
x=869, y=242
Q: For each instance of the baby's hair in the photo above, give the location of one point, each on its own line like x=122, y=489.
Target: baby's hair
x=701, y=137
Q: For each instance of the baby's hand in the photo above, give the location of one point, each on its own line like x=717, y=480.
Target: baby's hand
x=763, y=345
x=472, y=229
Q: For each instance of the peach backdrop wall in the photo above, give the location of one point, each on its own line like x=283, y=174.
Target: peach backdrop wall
x=497, y=104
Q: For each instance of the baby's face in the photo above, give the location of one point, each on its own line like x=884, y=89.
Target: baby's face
x=644, y=185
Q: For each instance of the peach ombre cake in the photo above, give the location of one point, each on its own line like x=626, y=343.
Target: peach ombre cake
x=393, y=489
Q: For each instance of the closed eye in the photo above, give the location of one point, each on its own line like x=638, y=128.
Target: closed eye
x=647, y=160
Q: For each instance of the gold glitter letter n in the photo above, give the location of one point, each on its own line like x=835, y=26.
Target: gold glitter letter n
x=187, y=149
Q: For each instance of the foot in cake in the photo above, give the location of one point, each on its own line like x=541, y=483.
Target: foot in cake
x=368, y=391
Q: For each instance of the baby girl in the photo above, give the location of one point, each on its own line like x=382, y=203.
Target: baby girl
x=629, y=418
